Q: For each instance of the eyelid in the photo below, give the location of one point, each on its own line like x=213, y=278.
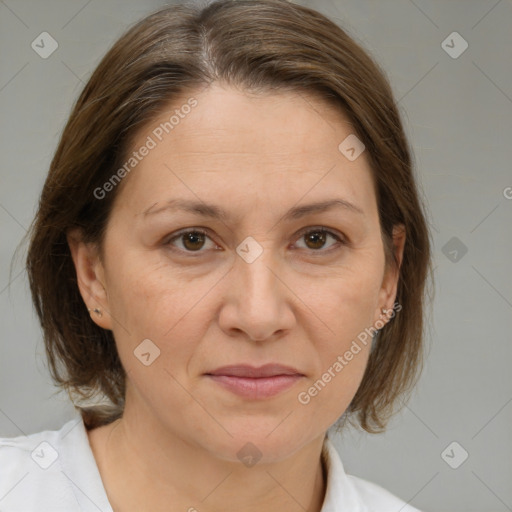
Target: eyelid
x=323, y=229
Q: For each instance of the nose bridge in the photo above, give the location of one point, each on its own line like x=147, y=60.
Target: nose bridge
x=259, y=297
x=253, y=272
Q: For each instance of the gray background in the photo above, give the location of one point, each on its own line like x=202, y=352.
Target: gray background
x=458, y=114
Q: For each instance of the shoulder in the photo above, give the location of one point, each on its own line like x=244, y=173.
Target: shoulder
x=25, y=451
x=31, y=476
x=378, y=499
x=349, y=492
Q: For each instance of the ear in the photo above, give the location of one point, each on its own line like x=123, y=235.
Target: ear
x=90, y=277
x=387, y=294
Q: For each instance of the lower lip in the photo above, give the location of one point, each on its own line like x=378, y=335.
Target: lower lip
x=256, y=388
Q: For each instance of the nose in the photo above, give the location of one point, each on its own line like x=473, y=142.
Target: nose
x=257, y=300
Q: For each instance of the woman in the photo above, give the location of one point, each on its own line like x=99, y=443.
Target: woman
x=230, y=249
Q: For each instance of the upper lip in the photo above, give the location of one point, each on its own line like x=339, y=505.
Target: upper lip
x=243, y=370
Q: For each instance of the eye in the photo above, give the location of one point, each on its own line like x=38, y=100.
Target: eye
x=316, y=238
x=193, y=240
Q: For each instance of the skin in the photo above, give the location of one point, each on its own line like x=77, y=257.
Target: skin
x=300, y=303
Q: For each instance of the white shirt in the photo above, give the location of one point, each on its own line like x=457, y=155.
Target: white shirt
x=55, y=471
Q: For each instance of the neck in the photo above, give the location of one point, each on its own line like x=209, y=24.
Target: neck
x=145, y=467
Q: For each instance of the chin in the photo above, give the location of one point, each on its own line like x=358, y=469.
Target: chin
x=265, y=439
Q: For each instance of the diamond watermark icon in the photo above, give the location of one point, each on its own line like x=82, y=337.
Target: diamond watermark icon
x=454, y=455
x=44, y=45
x=351, y=147
x=249, y=249
x=147, y=352
x=454, y=249
x=454, y=45
x=249, y=455
x=44, y=455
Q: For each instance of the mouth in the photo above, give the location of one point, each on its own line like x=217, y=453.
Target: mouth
x=256, y=383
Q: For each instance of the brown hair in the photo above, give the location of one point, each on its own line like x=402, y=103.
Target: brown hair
x=256, y=45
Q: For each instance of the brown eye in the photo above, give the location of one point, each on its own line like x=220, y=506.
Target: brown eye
x=315, y=239
x=192, y=240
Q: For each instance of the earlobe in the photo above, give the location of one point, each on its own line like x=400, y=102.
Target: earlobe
x=90, y=278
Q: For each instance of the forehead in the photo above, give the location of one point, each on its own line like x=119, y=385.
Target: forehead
x=264, y=123
x=225, y=141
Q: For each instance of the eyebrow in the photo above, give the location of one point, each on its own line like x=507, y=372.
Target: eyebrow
x=213, y=211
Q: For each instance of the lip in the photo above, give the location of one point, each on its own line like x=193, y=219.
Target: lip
x=246, y=370
x=256, y=383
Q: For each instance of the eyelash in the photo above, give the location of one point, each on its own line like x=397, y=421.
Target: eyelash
x=340, y=239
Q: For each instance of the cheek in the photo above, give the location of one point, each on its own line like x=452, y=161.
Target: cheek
x=343, y=355
x=142, y=288
x=150, y=300
x=346, y=305
x=133, y=291
x=347, y=301
x=327, y=396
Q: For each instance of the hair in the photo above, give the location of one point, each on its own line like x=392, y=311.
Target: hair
x=260, y=46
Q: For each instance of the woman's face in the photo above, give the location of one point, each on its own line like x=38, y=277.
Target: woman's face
x=263, y=284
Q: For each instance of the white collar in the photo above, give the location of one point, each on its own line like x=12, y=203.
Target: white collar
x=340, y=494
x=344, y=493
